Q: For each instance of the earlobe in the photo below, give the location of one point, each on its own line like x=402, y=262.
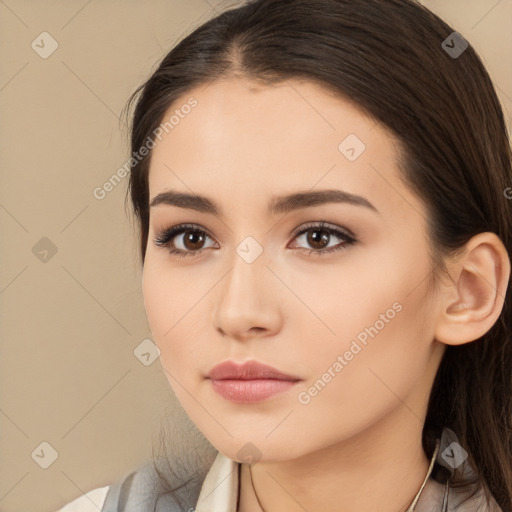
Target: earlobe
x=473, y=301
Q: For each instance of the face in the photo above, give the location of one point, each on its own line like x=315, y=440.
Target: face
x=330, y=289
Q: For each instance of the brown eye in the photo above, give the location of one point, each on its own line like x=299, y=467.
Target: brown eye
x=317, y=238
x=183, y=240
x=193, y=240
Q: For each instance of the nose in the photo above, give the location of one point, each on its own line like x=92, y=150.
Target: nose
x=249, y=302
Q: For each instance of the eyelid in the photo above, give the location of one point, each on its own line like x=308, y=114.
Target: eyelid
x=322, y=224
x=163, y=236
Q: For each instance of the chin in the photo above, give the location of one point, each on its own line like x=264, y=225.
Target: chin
x=253, y=448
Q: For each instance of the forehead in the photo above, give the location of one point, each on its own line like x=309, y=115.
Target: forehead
x=245, y=141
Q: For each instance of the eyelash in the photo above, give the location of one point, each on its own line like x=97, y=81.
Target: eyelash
x=163, y=239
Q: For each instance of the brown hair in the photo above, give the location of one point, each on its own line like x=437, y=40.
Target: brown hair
x=387, y=57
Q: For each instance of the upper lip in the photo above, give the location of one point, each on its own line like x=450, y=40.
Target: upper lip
x=247, y=371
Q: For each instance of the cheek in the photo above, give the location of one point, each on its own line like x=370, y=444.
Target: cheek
x=170, y=306
x=377, y=344
x=368, y=381
x=157, y=300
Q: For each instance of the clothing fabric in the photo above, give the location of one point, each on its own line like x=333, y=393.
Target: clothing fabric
x=215, y=487
x=89, y=502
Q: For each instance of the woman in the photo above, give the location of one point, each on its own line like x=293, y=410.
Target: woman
x=322, y=189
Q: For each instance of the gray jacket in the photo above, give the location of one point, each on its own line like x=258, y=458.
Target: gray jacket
x=140, y=490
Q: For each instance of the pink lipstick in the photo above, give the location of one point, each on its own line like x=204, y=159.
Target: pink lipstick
x=249, y=382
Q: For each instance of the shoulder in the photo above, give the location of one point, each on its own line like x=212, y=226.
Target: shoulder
x=158, y=484
x=464, y=490
x=92, y=501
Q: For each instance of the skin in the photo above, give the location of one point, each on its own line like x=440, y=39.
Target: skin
x=357, y=444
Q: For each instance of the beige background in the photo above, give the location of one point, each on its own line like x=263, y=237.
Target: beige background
x=69, y=325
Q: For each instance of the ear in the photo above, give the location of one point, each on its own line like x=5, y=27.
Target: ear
x=472, y=302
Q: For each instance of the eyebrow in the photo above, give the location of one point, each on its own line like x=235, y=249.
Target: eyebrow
x=277, y=205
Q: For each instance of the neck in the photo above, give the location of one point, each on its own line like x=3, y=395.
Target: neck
x=381, y=469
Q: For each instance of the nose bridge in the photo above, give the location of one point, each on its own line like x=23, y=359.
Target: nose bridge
x=248, y=268
x=245, y=300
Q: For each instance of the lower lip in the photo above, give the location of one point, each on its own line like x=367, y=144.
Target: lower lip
x=249, y=391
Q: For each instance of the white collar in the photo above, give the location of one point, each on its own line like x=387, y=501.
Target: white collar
x=220, y=487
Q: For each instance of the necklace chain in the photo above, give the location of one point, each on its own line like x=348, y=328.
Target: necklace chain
x=411, y=507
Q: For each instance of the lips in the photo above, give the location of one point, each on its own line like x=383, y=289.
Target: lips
x=248, y=371
x=249, y=382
